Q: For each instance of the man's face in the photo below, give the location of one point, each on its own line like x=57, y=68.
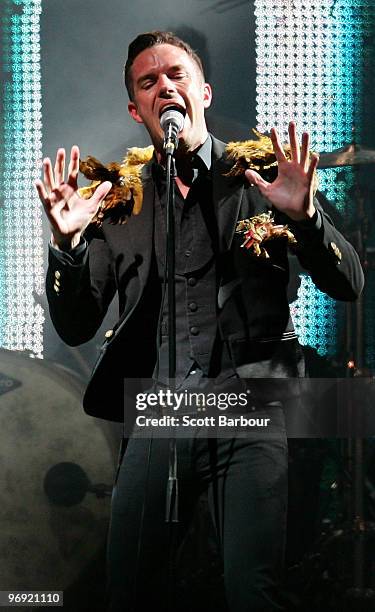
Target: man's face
x=164, y=76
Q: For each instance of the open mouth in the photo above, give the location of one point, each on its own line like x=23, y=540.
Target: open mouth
x=172, y=106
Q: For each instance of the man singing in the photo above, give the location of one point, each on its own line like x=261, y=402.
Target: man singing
x=232, y=320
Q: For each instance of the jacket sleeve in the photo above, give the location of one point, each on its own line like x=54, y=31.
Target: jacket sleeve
x=329, y=258
x=79, y=290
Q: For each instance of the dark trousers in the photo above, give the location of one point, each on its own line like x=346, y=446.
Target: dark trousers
x=246, y=483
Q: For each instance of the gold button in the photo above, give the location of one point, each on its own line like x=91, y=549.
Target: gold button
x=57, y=274
x=56, y=288
x=57, y=282
x=335, y=250
x=108, y=333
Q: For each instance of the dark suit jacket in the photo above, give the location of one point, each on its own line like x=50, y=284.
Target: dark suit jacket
x=253, y=311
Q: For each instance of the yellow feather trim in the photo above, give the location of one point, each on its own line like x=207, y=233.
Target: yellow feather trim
x=126, y=195
x=254, y=154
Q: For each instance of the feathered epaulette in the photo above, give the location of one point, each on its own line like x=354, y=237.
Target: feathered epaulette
x=258, y=155
x=126, y=195
x=254, y=154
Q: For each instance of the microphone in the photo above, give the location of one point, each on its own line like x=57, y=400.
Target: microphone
x=172, y=122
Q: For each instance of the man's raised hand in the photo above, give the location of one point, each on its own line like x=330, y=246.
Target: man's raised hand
x=68, y=213
x=292, y=191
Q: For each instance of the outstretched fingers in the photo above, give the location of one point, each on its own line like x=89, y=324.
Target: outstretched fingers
x=50, y=205
x=73, y=168
x=42, y=193
x=59, y=167
x=312, y=167
x=277, y=146
x=299, y=154
x=49, y=179
x=305, y=150
x=294, y=144
x=255, y=179
x=101, y=192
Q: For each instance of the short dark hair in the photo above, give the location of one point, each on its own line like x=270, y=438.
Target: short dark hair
x=150, y=39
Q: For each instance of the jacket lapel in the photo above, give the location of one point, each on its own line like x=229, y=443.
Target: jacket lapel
x=227, y=195
x=141, y=230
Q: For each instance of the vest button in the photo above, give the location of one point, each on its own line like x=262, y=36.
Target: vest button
x=192, y=281
x=193, y=306
x=194, y=331
x=187, y=253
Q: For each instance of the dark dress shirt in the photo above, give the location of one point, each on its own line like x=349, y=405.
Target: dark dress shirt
x=195, y=273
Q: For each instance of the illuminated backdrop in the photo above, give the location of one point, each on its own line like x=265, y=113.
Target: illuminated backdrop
x=21, y=244
x=310, y=60
x=310, y=69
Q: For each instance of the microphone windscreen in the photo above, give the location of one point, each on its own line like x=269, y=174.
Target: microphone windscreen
x=174, y=116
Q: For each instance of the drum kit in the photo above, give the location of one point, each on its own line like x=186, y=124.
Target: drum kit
x=337, y=569
x=350, y=155
x=57, y=468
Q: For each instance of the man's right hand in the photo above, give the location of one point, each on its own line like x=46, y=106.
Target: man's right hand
x=68, y=213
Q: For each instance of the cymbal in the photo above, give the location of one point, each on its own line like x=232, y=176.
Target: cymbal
x=351, y=155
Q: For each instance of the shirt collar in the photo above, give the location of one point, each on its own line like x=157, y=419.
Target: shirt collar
x=201, y=160
x=203, y=154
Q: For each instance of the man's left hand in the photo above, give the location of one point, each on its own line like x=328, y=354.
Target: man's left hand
x=292, y=191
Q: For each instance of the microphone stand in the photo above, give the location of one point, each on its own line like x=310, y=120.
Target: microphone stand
x=171, y=267
x=171, y=511
x=172, y=486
